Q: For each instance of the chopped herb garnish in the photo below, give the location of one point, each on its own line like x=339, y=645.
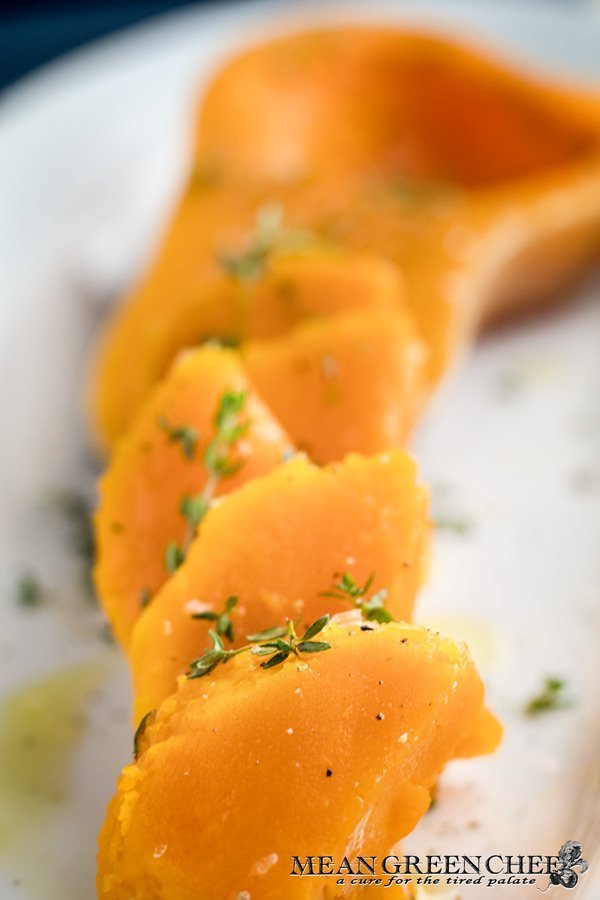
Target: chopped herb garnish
x=372, y=609
x=140, y=731
x=219, y=461
x=550, y=698
x=224, y=626
x=174, y=556
x=229, y=341
x=457, y=524
x=269, y=235
x=204, y=175
x=416, y=193
x=145, y=597
x=193, y=509
x=185, y=435
x=76, y=510
x=29, y=590
x=276, y=648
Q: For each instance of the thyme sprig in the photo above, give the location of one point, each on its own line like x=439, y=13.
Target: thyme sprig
x=219, y=462
x=278, y=644
x=372, y=609
x=269, y=235
x=185, y=435
x=224, y=626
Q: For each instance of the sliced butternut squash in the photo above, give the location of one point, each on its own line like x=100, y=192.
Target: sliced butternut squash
x=452, y=135
x=346, y=382
x=233, y=295
x=481, y=184
x=160, y=462
x=336, y=749
x=277, y=544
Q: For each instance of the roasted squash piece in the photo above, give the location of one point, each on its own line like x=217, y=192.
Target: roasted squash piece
x=277, y=544
x=313, y=286
x=241, y=297
x=465, y=149
x=161, y=461
x=350, y=382
x=480, y=183
x=336, y=749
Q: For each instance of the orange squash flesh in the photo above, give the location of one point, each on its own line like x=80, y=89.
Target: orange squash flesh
x=140, y=494
x=277, y=544
x=482, y=185
x=350, y=381
x=246, y=752
x=315, y=282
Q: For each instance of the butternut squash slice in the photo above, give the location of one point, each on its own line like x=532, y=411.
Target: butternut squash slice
x=336, y=749
x=159, y=463
x=482, y=184
x=277, y=544
x=239, y=298
x=346, y=382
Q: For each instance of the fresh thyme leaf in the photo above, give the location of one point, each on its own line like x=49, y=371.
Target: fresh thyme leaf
x=140, y=731
x=313, y=646
x=269, y=236
x=276, y=660
x=262, y=650
x=228, y=430
x=174, y=556
x=550, y=698
x=193, y=509
x=372, y=609
x=315, y=628
x=29, y=590
x=216, y=639
x=205, y=663
x=267, y=635
x=379, y=614
x=185, y=435
x=224, y=624
x=145, y=597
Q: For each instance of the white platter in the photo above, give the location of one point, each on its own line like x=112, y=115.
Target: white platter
x=92, y=151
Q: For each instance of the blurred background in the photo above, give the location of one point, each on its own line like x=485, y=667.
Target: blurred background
x=32, y=33
x=35, y=32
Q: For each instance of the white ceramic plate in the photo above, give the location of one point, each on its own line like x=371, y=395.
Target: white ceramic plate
x=92, y=151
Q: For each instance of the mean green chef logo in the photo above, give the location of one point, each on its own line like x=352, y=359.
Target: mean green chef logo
x=496, y=870
x=569, y=859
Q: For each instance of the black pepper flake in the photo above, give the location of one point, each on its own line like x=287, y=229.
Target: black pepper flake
x=404, y=641
x=328, y=773
x=366, y=628
x=379, y=716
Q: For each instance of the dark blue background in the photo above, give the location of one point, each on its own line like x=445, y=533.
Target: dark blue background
x=31, y=33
